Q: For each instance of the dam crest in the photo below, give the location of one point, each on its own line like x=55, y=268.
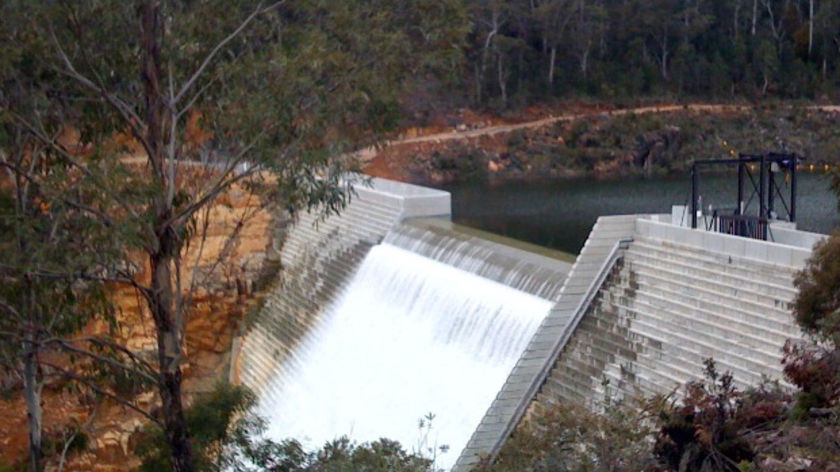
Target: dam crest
x=388, y=312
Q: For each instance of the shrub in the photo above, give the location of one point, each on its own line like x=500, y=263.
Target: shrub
x=815, y=367
x=701, y=433
x=227, y=437
x=569, y=437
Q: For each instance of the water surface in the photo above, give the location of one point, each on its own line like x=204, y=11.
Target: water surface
x=560, y=213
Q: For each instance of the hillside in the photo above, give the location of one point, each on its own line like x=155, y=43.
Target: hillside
x=601, y=141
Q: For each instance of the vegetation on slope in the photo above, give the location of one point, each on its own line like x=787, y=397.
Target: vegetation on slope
x=626, y=143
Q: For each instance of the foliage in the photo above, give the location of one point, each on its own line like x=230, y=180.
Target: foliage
x=219, y=422
x=813, y=367
x=817, y=308
x=226, y=436
x=701, y=433
x=342, y=455
x=54, y=249
x=620, y=50
x=208, y=95
x=570, y=437
x=762, y=407
x=426, y=448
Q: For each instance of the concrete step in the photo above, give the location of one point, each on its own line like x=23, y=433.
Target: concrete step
x=708, y=291
x=693, y=344
x=738, y=270
x=764, y=324
x=732, y=274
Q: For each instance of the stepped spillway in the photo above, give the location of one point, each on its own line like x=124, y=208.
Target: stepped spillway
x=408, y=336
x=382, y=315
x=640, y=317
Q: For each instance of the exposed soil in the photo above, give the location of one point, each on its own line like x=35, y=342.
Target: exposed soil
x=548, y=143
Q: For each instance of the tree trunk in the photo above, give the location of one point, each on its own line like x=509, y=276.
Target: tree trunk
x=164, y=249
x=810, y=27
x=584, y=62
x=485, y=53
x=478, y=78
x=33, y=401
x=169, y=352
x=176, y=428
x=665, y=52
x=551, y=64
x=501, y=78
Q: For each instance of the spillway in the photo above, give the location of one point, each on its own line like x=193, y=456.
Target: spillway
x=408, y=336
x=387, y=313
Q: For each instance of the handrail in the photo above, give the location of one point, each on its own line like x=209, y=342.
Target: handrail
x=580, y=310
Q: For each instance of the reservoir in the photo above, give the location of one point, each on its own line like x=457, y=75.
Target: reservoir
x=560, y=213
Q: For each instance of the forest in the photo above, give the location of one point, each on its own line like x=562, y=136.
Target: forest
x=622, y=49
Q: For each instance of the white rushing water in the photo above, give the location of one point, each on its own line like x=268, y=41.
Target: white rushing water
x=408, y=336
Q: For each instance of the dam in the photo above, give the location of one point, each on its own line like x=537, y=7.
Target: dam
x=388, y=313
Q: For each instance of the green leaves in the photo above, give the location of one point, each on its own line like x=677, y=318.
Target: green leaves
x=207, y=93
x=817, y=304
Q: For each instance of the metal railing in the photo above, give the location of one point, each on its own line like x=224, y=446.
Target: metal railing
x=743, y=225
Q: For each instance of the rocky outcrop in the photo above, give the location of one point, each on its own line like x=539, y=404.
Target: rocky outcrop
x=655, y=148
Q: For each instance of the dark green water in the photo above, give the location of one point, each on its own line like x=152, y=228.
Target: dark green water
x=560, y=213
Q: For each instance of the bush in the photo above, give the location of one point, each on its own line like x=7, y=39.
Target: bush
x=815, y=367
x=701, y=433
x=227, y=437
x=570, y=437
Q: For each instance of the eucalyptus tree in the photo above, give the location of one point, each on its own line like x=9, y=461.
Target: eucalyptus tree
x=552, y=17
x=54, y=250
x=282, y=89
x=827, y=30
x=489, y=18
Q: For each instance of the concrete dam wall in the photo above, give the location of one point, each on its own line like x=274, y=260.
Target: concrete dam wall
x=646, y=303
x=387, y=313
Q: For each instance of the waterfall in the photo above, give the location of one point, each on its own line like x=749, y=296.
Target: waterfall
x=407, y=336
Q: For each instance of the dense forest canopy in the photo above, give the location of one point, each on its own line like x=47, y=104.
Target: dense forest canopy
x=614, y=49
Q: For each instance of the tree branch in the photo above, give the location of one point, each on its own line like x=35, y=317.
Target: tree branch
x=124, y=110
x=141, y=368
x=219, y=46
x=220, y=185
x=39, y=134
x=92, y=385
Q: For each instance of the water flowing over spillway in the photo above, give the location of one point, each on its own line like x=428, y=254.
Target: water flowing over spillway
x=407, y=336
